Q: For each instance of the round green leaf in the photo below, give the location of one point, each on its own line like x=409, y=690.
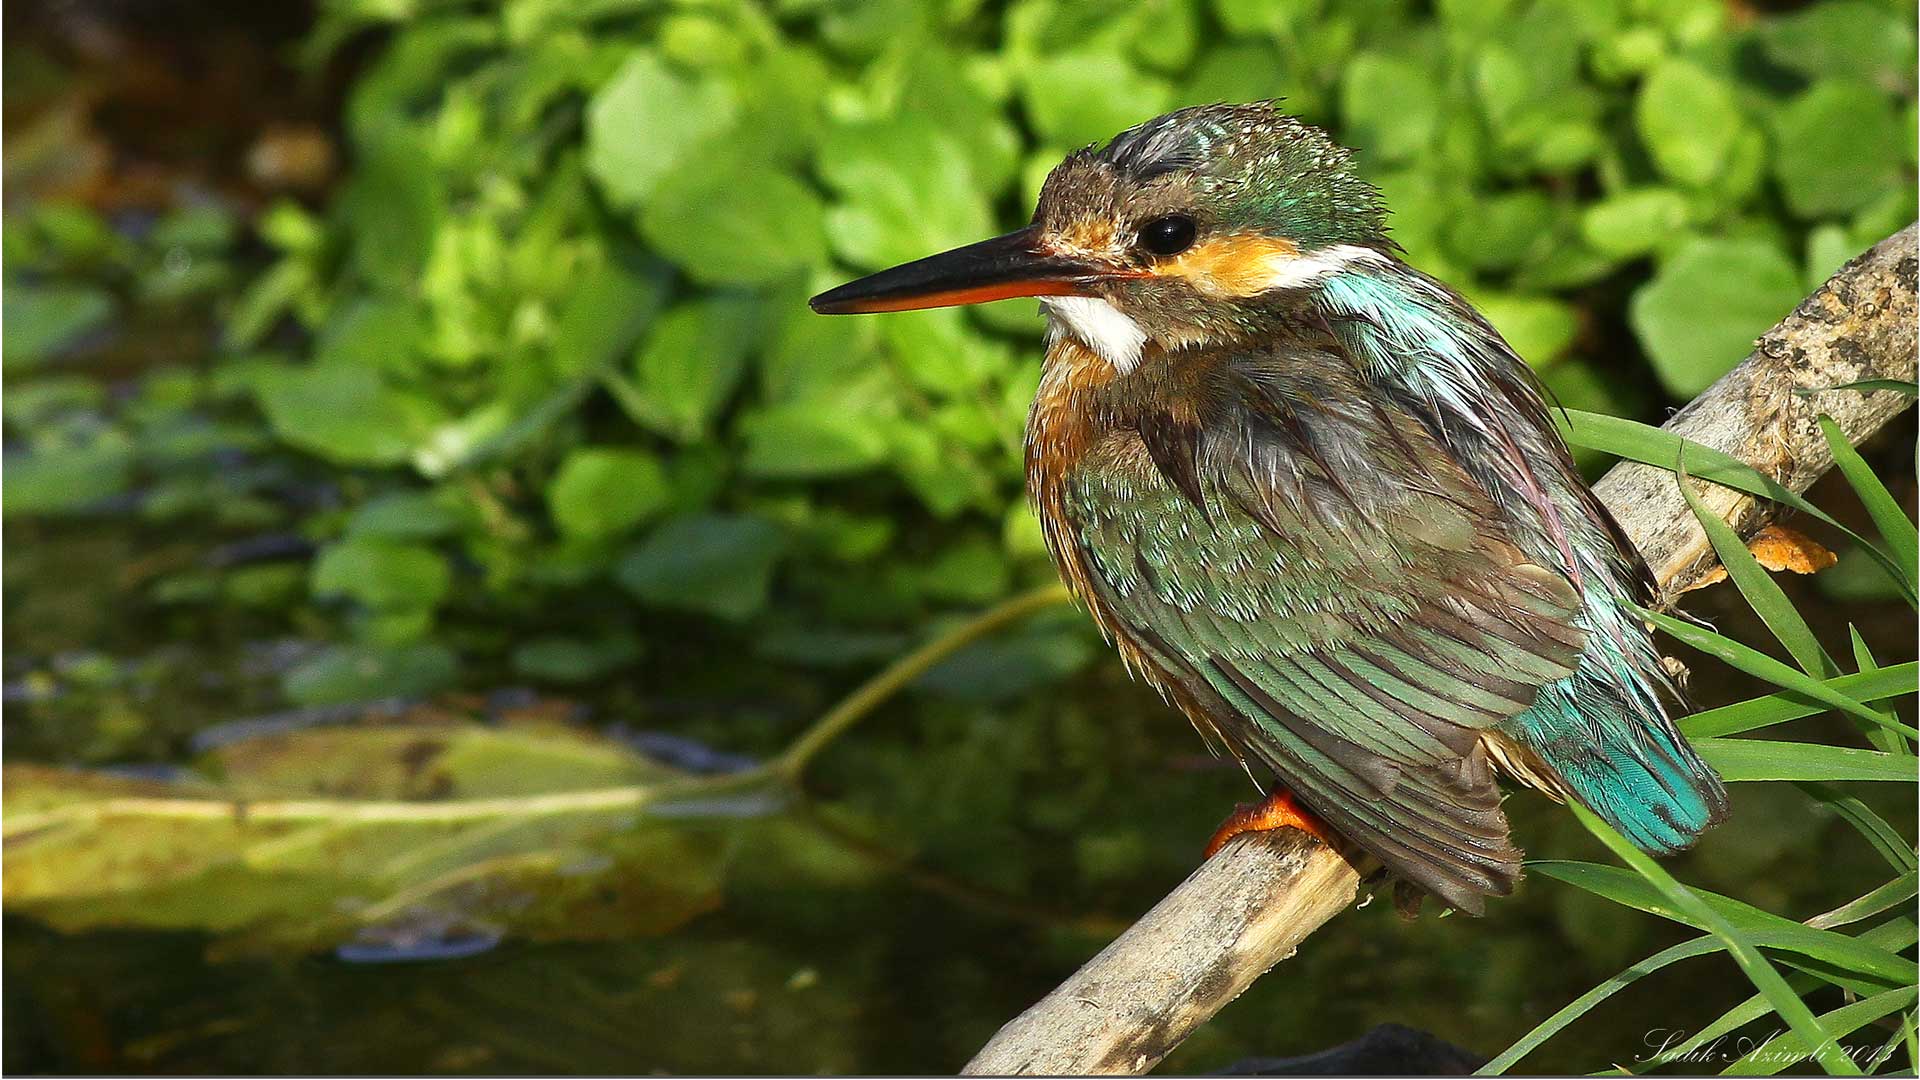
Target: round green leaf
x=1391, y=107
x=68, y=475
x=346, y=414
x=813, y=438
x=604, y=491
x=641, y=125
x=1688, y=120
x=713, y=564
x=409, y=515
x=936, y=86
x=1634, y=222
x=574, y=660
x=393, y=202
x=1837, y=147
x=604, y=312
x=1502, y=230
x=1079, y=98
x=768, y=226
x=346, y=673
x=1850, y=38
x=906, y=191
x=1702, y=311
x=690, y=363
x=1828, y=248
x=1538, y=328
x=382, y=574
x=1239, y=71
x=40, y=320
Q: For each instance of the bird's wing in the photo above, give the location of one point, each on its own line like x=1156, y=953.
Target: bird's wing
x=1325, y=585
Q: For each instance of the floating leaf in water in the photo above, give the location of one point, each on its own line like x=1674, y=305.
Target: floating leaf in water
x=413, y=839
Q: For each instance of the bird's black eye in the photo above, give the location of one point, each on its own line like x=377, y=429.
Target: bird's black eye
x=1169, y=235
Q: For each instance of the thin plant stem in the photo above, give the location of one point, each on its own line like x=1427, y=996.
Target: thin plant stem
x=793, y=761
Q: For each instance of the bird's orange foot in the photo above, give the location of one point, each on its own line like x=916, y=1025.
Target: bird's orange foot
x=1279, y=810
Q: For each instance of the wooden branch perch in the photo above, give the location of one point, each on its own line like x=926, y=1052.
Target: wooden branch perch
x=1250, y=906
x=1859, y=325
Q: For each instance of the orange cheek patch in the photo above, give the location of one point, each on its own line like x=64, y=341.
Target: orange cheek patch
x=1232, y=265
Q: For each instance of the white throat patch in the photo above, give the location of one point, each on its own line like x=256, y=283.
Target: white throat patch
x=1099, y=326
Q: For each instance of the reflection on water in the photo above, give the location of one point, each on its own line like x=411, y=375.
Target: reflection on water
x=443, y=938
x=854, y=937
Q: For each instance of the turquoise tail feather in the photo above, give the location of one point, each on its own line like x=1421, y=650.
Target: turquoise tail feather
x=1604, y=733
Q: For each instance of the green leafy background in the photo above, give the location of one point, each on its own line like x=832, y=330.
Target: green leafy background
x=528, y=408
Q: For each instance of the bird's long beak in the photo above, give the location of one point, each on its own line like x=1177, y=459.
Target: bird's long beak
x=1016, y=264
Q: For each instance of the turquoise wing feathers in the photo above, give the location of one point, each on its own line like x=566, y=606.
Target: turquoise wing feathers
x=1604, y=736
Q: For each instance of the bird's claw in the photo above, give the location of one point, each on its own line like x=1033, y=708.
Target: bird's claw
x=1279, y=810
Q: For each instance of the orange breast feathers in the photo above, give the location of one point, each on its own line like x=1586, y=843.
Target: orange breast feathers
x=1070, y=420
x=1064, y=423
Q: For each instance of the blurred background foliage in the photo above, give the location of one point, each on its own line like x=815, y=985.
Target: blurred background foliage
x=400, y=364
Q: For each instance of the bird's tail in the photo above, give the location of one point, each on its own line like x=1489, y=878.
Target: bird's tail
x=1604, y=739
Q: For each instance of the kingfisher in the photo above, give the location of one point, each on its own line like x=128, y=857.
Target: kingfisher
x=1315, y=499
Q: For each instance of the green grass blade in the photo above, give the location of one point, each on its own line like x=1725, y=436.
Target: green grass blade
x=1912, y=1040
x=1765, y=978
x=1896, y=893
x=1838, y=951
x=1732, y=1020
x=1863, y=659
x=1776, y=1054
x=1762, y=592
x=1884, y=838
x=1882, y=507
x=1746, y=1012
x=1763, y=759
x=1893, y=936
x=1894, y=1043
x=1652, y=446
x=1762, y=666
x=1786, y=705
x=1874, y=1064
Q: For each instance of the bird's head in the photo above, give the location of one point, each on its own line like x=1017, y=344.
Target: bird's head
x=1200, y=225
